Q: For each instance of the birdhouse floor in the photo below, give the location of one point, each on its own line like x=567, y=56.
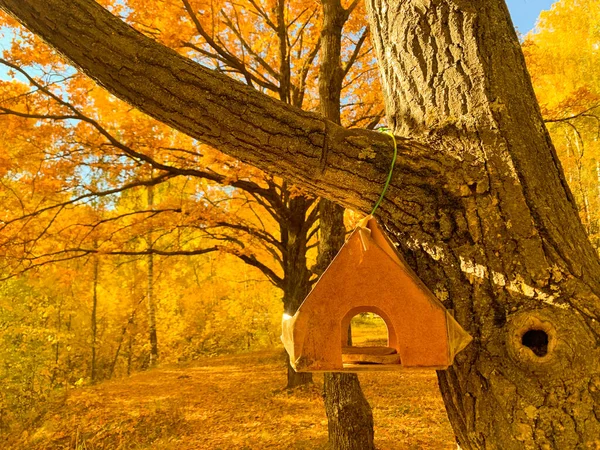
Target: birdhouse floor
x=370, y=355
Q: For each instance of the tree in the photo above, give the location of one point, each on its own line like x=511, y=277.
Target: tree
x=94, y=321
x=478, y=203
x=287, y=217
x=350, y=419
x=151, y=302
x=240, y=45
x=562, y=58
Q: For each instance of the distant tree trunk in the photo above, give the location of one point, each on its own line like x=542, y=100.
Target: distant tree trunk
x=57, y=344
x=295, y=379
x=94, y=319
x=124, y=329
x=296, y=274
x=68, y=361
x=129, y=354
x=150, y=290
x=350, y=420
x=598, y=179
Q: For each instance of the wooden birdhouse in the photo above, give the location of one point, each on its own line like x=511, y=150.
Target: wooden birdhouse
x=369, y=275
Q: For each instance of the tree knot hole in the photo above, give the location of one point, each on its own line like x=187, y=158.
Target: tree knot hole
x=536, y=341
x=533, y=340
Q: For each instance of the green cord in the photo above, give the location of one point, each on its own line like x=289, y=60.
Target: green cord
x=389, y=177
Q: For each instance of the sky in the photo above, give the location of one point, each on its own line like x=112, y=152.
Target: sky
x=524, y=13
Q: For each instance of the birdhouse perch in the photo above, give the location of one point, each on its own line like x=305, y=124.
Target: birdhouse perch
x=369, y=275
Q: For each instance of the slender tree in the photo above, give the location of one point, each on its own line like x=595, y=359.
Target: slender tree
x=94, y=320
x=350, y=420
x=151, y=301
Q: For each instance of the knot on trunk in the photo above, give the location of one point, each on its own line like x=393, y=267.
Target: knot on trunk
x=532, y=341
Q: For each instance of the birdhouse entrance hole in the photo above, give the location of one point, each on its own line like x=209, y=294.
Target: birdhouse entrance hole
x=367, y=338
x=367, y=330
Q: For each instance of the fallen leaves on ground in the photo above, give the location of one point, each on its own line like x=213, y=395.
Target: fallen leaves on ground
x=233, y=402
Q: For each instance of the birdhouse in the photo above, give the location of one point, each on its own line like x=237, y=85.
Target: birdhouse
x=369, y=275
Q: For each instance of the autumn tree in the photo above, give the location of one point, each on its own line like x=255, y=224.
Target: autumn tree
x=287, y=71
x=562, y=57
x=237, y=38
x=227, y=40
x=478, y=203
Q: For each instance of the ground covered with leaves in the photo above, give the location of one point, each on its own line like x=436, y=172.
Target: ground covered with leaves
x=233, y=402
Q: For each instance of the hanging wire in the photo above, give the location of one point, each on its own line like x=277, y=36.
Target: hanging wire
x=389, y=177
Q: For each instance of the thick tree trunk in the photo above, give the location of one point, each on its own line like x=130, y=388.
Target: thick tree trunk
x=505, y=247
x=478, y=202
x=349, y=416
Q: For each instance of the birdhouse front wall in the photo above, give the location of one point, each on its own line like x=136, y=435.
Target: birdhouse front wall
x=364, y=278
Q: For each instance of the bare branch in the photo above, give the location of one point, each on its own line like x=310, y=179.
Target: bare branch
x=356, y=52
x=575, y=116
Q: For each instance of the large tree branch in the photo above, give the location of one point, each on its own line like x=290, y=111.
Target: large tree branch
x=348, y=166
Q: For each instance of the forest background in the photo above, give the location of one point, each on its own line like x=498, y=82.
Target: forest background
x=124, y=244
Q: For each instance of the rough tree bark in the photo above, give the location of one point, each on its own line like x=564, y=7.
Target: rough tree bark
x=478, y=203
x=505, y=247
x=349, y=416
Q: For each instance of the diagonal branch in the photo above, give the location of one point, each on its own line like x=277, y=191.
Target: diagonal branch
x=251, y=260
x=348, y=166
x=356, y=52
x=584, y=113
